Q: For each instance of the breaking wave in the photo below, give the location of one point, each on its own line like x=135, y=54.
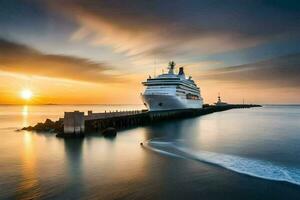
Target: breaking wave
x=257, y=168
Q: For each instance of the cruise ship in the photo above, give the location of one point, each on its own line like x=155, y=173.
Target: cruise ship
x=170, y=91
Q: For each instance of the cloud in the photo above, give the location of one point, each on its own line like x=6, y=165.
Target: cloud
x=180, y=27
x=278, y=72
x=18, y=58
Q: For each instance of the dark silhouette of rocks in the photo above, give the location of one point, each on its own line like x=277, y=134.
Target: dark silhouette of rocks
x=47, y=126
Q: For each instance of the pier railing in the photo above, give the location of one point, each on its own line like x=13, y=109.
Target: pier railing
x=109, y=114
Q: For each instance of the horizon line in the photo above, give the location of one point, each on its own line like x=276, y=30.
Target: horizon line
x=119, y=104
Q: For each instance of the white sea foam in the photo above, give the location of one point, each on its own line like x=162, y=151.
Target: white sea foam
x=160, y=142
x=157, y=143
x=251, y=167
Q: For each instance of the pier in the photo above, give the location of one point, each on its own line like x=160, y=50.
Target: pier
x=76, y=123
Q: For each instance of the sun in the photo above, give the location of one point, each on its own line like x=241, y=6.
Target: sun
x=26, y=94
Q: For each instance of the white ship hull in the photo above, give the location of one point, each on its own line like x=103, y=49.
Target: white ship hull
x=156, y=102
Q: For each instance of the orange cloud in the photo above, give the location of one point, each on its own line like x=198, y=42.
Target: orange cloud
x=21, y=59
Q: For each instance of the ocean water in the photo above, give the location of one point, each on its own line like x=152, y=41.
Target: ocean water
x=236, y=154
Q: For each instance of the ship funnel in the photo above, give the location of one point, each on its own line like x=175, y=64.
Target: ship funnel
x=181, y=72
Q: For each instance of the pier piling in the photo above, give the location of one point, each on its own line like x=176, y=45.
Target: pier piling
x=74, y=123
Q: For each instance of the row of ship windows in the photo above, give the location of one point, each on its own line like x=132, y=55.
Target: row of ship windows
x=183, y=91
x=178, y=91
x=192, y=96
x=187, y=88
x=177, y=87
x=172, y=84
x=189, y=96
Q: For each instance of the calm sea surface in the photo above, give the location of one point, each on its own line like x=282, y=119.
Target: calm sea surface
x=236, y=154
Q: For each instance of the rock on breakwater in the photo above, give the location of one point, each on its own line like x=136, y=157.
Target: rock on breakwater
x=47, y=126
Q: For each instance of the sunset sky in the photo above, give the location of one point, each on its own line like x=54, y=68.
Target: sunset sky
x=99, y=51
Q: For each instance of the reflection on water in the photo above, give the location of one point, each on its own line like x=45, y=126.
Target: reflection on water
x=176, y=129
x=73, y=150
x=25, y=113
x=25, y=110
x=29, y=185
x=42, y=166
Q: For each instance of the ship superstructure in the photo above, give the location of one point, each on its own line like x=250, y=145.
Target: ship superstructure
x=170, y=91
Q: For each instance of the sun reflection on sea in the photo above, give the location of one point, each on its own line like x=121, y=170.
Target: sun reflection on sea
x=29, y=187
x=25, y=113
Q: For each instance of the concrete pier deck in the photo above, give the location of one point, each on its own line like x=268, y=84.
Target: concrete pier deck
x=97, y=122
x=77, y=124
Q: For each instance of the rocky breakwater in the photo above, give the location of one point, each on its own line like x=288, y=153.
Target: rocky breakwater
x=48, y=126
